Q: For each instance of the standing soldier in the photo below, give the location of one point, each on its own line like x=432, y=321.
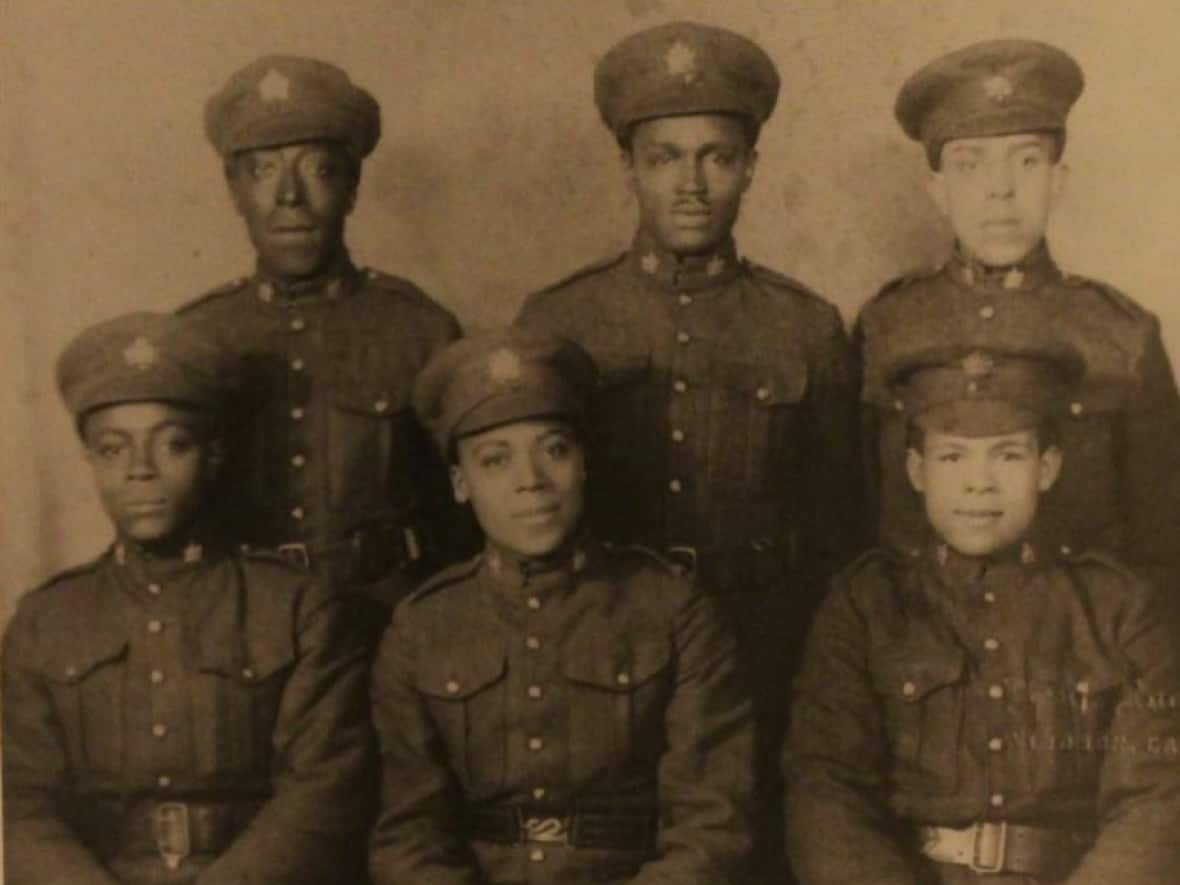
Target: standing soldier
x=992, y=120
x=177, y=711
x=326, y=462
x=725, y=433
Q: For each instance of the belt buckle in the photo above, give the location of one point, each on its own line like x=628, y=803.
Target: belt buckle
x=171, y=827
x=998, y=844
x=545, y=829
x=295, y=552
x=684, y=557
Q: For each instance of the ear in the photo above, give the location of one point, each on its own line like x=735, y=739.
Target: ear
x=627, y=165
x=751, y=166
x=937, y=188
x=459, y=485
x=913, y=468
x=1049, y=468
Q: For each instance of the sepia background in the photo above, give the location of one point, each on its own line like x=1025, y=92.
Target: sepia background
x=494, y=176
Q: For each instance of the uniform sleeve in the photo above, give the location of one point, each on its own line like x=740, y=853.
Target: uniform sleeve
x=706, y=773
x=309, y=831
x=832, y=511
x=840, y=830
x=418, y=837
x=39, y=847
x=1150, y=461
x=1139, y=783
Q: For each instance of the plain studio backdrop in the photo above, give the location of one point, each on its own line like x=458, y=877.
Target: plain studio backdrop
x=494, y=175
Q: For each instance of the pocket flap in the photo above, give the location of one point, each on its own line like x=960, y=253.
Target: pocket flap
x=253, y=662
x=617, y=663
x=621, y=368
x=461, y=675
x=373, y=399
x=766, y=385
x=911, y=674
x=72, y=664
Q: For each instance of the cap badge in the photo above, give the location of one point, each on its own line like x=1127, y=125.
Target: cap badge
x=140, y=354
x=978, y=365
x=274, y=86
x=998, y=88
x=504, y=366
x=682, y=61
x=1014, y=278
x=193, y=552
x=715, y=266
x=650, y=262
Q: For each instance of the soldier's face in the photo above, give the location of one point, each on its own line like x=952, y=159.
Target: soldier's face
x=998, y=192
x=151, y=462
x=525, y=482
x=981, y=493
x=688, y=175
x=294, y=200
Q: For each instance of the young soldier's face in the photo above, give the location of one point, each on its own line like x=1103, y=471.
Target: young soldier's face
x=294, y=200
x=981, y=493
x=689, y=175
x=151, y=463
x=997, y=192
x=525, y=483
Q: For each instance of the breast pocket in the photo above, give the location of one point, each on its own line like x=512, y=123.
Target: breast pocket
x=1071, y=709
x=619, y=691
x=237, y=697
x=923, y=696
x=366, y=433
x=88, y=687
x=466, y=697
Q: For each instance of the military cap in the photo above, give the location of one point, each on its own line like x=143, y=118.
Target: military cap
x=978, y=392
x=487, y=380
x=998, y=87
x=143, y=357
x=684, y=68
x=285, y=99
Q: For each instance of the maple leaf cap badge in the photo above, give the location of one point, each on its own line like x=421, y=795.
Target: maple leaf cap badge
x=141, y=354
x=274, y=86
x=504, y=366
x=681, y=60
x=998, y=88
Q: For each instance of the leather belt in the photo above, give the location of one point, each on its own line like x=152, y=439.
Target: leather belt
x=749, y=567
x=515, y=824
x=174, y=830
x=364, y=554
x=1000, y=847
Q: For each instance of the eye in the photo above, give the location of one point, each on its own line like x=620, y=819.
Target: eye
x=1013, y=456
x=493, y=460
x=966, y=166
x=1030, y=161
x=261, y=169
x=724, y=159
x=948, y=458
x=558, y=448
x=108, y=451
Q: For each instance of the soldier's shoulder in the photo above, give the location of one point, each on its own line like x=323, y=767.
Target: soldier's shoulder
x=661, y=578
x=781, y=282
x=267, y=562
x=68, y=578
x=61, y=591
x=215, y=296
x=1106, y=294
x=899, y=286
x=876, y=571
x=404, y=292
x=1100, y=565
x=439, y=587
x=584, y=276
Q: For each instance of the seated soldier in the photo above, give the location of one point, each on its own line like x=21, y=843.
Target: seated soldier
x=987, y=709
x=176, y=711
x=554, y=710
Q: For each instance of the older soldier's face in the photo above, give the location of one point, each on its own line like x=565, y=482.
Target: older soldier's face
x=981, y=493
x=997, y=192
x=689, y=175
x=151, y=463
x=525, y=483
x=294, y=200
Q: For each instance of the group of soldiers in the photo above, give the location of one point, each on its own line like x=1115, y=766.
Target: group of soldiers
x=388, y=604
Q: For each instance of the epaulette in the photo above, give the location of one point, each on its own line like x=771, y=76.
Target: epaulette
x=269, y=554
x=872, y=557
x=71, y=572
x=228, y=288
x=592, y=268
x=1124, y=303
x=399, y=285
x=906, y=279
x=648, y=553
x=451, y=574
x=1108, y=561
x=781, y=280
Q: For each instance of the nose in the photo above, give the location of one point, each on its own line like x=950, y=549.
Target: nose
x=290, y=192
x=979, y=475
x=999, y=179
x=142, y=463
x=691, y=179
x=530, y=474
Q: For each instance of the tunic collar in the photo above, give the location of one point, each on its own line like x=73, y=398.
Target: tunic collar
x=513, y=572
x=957, y=569
x=667, y=270
x=337, y=281
x=1029, y=275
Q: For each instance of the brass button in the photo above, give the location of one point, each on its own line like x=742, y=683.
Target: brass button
x=989, y=597
x=623, y=679
x=297, y=364
x=298, y=325
x=71, y=671
x=247, y=673
x=536, y=855
x=159, y=730
x=533, y=602
x=1066, y=550
x=532, y=643
x=538, y=793
x=684, y=298
x=154, y=626
x=763, y=393
x=266, y=291
x=987, y=312
x=676, y=486
x=995, y=692
x=297, y=414
x=156, y=677
x=1076, y=409
x=995, y=744
x=535, y=692
x=163, y=782
x=298, y=460
x=997, y=799
x=1083, y=687
x=382, y=405
x=153, y=589
x=536, y=744
x=679, y=386
x=991, y=643
x=909, y=689
x=452, y=686
x=677, y=435
x=297, y=513
x=683, y=337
